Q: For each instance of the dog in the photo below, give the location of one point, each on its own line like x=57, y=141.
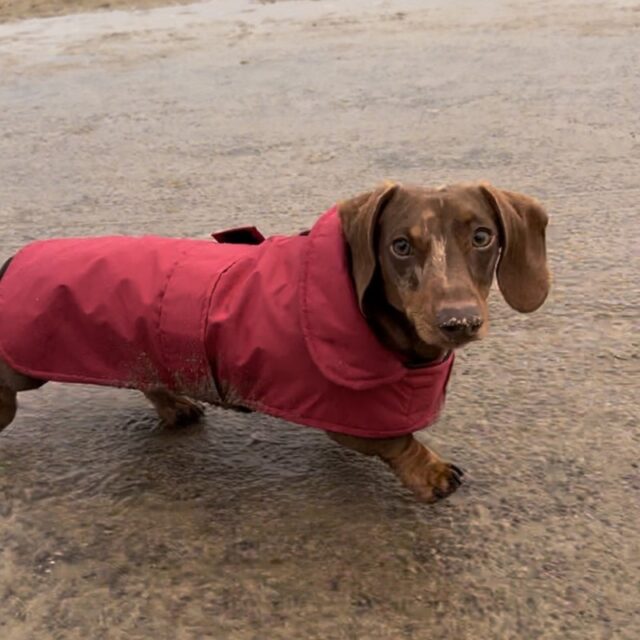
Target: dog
x=350, y=327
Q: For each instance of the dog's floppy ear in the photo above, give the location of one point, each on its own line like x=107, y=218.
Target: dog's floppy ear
x=359, y=216
x=522, y=271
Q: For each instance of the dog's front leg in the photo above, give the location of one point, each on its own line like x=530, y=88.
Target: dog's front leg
x=174, y=410
x=420, y=469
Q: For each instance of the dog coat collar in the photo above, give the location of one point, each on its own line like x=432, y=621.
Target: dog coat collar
x=341, y=343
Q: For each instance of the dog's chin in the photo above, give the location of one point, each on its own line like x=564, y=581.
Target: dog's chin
x=458, y=343
x=437, y=339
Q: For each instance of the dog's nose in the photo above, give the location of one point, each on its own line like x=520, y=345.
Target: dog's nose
x=459, y=322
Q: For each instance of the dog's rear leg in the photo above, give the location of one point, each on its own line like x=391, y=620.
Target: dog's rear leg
x=10, y=383
x=8, y=407
x=174, y=410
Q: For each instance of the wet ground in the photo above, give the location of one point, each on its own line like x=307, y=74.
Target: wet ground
x=183, y=120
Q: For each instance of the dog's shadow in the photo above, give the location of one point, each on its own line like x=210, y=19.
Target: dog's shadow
x=231, y=457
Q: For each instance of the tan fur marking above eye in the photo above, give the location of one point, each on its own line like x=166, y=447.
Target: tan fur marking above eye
x=467, y=216
x=415, y=232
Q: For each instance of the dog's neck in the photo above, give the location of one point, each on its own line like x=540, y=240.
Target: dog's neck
x=396, y=332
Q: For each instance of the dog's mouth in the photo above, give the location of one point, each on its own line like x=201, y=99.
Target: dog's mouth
x=459, y=332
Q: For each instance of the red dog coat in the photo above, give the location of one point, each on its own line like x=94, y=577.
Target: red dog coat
x=273, y=327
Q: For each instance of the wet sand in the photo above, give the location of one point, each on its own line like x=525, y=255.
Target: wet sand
x=181, y=120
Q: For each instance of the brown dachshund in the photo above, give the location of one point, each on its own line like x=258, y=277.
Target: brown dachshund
x=422, y=261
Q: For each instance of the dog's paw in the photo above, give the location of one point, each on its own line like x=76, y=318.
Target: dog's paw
x=443, y=478
x=428, y=476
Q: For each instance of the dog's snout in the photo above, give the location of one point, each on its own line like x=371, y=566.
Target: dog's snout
x=459, y=322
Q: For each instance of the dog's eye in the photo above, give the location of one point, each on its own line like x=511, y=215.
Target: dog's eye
x=482, y=237
x=401, y=247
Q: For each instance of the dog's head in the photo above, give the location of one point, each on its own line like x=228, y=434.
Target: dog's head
x=432, y=255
